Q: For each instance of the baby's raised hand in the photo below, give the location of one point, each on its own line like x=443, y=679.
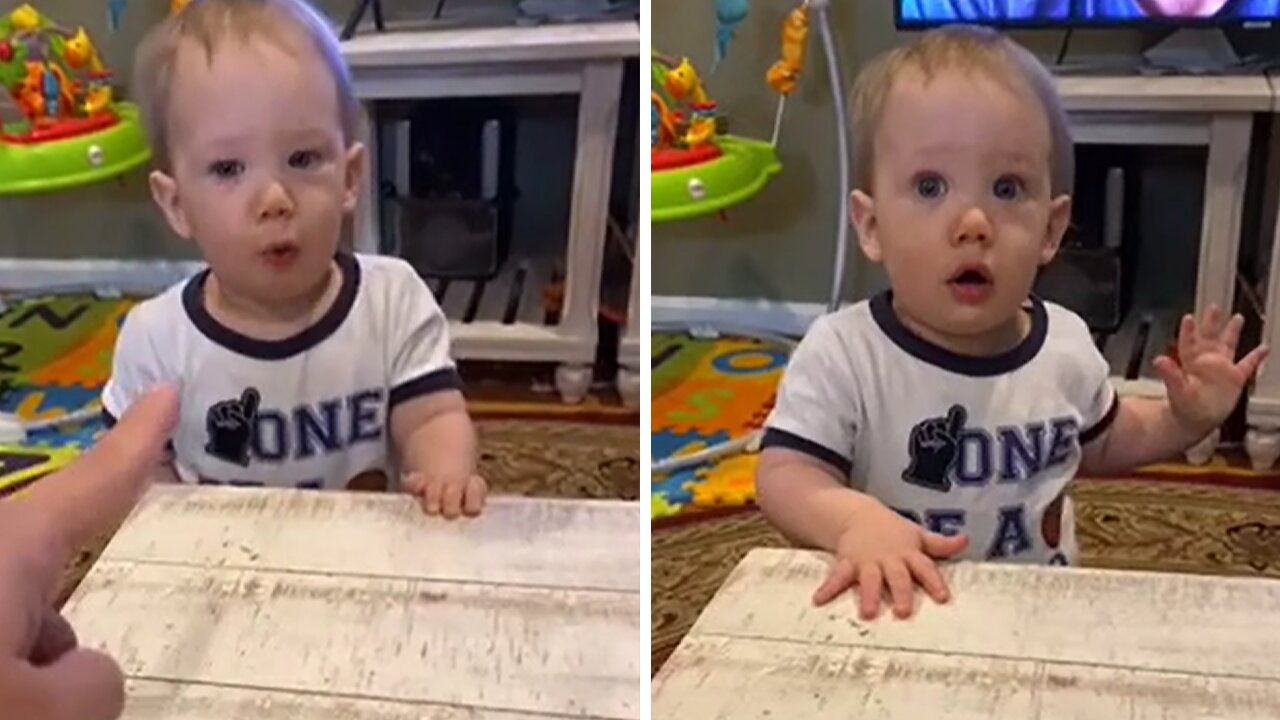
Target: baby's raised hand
x=450, y=497
x=1205, y=381
x=881, y=549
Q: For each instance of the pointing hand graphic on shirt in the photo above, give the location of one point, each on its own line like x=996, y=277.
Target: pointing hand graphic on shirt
x=934, y=446
x=230, y=426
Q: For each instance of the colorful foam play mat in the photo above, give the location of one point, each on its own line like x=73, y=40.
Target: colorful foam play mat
x=707, y=391
x=55, y=358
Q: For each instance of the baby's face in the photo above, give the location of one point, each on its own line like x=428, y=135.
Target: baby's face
x=261, y=177
x=960, y=212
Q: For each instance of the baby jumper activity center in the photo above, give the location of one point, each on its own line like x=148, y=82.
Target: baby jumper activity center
x=717, y=385
x=60, y=125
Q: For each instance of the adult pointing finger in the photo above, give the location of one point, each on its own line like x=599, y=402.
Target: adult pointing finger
x=44, y=675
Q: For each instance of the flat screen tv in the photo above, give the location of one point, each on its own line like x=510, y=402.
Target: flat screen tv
x=919, y=14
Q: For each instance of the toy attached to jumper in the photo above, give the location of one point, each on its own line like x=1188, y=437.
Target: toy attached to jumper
x=60, y=125
x=696, y=169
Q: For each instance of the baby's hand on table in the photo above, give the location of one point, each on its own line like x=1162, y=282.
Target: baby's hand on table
x=881, y=549
x=450, y=497
x=1204, y=382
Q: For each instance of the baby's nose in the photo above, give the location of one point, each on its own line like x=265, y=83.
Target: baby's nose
x=275, y=202
x=973, y=226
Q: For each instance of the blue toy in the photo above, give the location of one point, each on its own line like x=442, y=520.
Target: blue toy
x=729, y=13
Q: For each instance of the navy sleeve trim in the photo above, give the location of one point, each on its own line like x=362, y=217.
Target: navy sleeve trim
x=774, y=437
x=444, y=379
x=1101, y=426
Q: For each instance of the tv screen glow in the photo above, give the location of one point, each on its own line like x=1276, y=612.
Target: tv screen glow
x=1086, y=12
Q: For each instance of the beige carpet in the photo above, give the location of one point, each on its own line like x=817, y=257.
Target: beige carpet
x=1125, y=524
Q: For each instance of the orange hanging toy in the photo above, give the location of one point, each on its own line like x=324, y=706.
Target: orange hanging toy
x=784, y=73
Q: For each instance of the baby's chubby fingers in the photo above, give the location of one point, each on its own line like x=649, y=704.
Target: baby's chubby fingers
x=870, y=589
x=1250, y=363
x=901, y=588
x=451, y=499
x=929, y=577
x=477, y=494
x=839, y=578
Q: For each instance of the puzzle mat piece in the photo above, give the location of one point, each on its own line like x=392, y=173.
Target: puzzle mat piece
x=678, y=359
x=36, y=333
x=19, y=465
x=729, y=483
x=87, y=364
x=704, y=406
x=674, y=359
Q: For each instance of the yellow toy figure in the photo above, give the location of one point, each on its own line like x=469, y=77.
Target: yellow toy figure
x=784, y=73
x=81, y=54
x=24, y=18
x=683, y=84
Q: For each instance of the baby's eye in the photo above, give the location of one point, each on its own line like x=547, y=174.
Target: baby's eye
x=304, y=159
x=226, y=169
x=1007, y=188
x=930, y=187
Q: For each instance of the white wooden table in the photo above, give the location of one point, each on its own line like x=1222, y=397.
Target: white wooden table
x=239, y=603
x=583, y=59
x=1015, y=643
x=1262, y=441
x=1212, y=112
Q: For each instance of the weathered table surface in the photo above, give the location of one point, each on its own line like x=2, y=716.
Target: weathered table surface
x=247, y=603
x=1016, y=642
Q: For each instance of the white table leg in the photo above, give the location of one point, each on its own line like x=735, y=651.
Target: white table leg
x=629, y=349
x=588, y=219
x=629, y=352
x=1262, y=440
x=1225, y=176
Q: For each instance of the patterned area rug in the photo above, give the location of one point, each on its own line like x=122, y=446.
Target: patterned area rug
x=1140, y=524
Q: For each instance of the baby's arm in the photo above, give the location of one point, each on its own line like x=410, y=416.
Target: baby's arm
x=1203, y=386
x=804, y=499
x=437, y=445
x=430, y=428
x=1144, y=431
x=800, y=483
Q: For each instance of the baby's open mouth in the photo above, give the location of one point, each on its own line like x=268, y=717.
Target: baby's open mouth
x=971, y=275
x=278, y=253
x=971, y=284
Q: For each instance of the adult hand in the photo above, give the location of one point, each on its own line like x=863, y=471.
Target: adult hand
x=43, y=674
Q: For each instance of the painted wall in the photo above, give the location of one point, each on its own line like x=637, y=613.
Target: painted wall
x=780, y=245
x=118, y=220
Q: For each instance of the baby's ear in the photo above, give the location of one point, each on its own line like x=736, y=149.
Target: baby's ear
x=1059, y=220
x=353, y=177
x=164, y=191
x=862, y=213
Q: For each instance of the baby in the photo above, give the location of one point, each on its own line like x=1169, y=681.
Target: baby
x=298, y=364
x=944, y=418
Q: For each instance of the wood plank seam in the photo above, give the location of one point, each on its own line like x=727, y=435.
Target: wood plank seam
x=116, y=559
x=982, y=656
x=366, y=697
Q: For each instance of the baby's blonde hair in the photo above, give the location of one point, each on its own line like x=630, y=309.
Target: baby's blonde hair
x=212, y=24
x=970, y=49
